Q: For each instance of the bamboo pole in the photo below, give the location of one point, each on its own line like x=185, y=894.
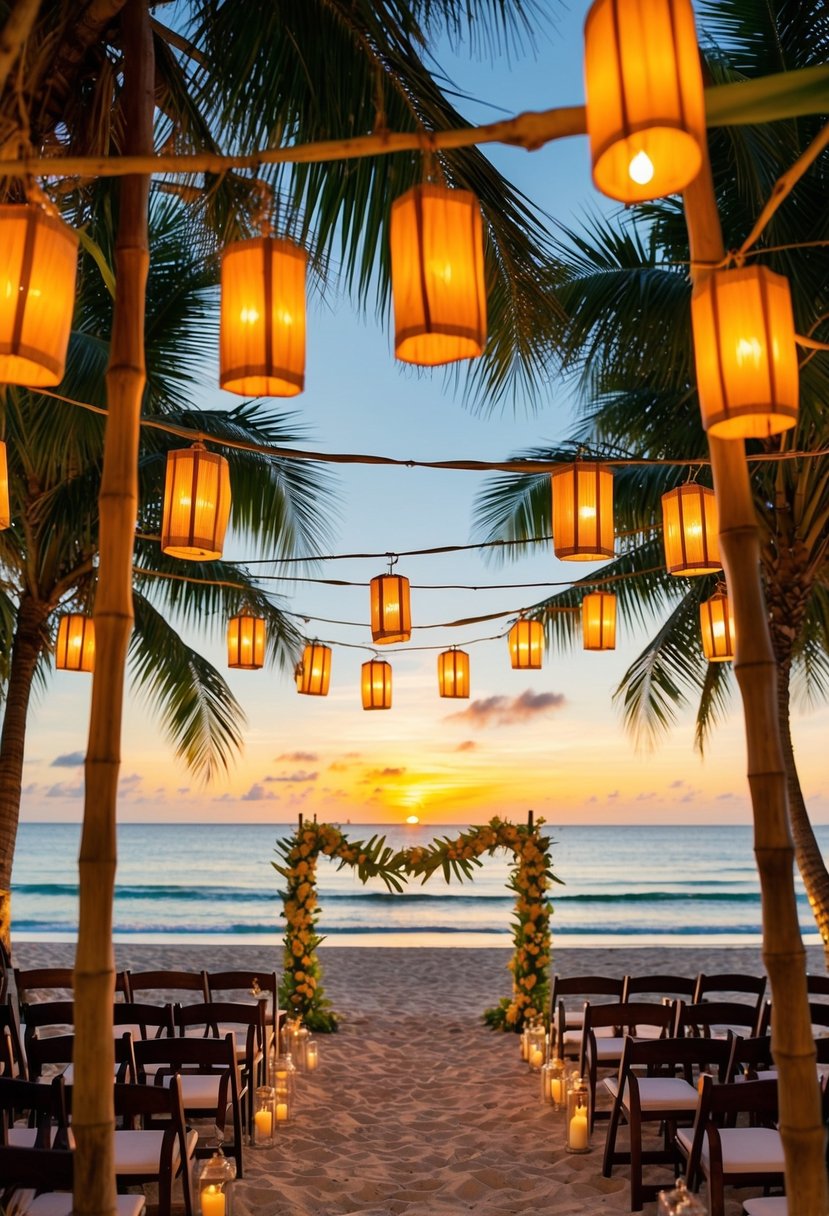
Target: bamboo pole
x=93, y=1118
x=801, y=1128
x=15, y=32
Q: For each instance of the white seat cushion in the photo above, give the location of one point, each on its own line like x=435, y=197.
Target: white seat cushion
x=199, y=1091
x=59, y=1203
x=22, y=1137
x=137, y=1152
x=659, y=1093
x=775, y=1205
x=609, y=1049
x=748, y=1150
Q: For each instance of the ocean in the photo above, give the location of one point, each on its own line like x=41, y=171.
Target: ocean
x=623, y=885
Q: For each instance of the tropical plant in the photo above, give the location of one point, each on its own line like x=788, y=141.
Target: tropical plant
x=625, y=291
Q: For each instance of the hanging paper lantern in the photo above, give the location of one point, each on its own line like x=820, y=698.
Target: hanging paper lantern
x=246, y=642
x=262, y=342
x=376, y=684
x=690, y=527
x=437, y=273
x=5, y=508
x=598, y=621
x=196, y=504
x=75, y=647
x=38, y=264
x=314, y=671
x=583, y=511
x=453, y=673
x=717, y=627
x=645, y=105
x=526, y=644
x=391, y=613
x=745, y=353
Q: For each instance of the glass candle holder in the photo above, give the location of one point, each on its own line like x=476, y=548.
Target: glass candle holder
x=283, y=1074
x=523, y=1042
x=312, y=1054
x=554, y=1083
x=264, y=1117
x=282, y=1105
x=679, y=1202
x=578, y=1119
x=299, y=1044
x=215, y=1186
x=536, y=1046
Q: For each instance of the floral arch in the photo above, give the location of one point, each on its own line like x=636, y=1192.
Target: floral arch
x=530, y=877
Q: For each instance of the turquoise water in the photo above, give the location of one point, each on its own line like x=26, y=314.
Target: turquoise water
x=623, y=885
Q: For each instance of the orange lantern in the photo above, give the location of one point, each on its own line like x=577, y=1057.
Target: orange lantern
x=5, y=508
x=453, y=673
x=526, y=644
x=246, y=642
x=196, y=504
x=583, y=511
x=314, y=671
x=598, y=621
x=745, y=353
x=717, y=627
x=376, y=684
x=75, y=647
x=262, y=334
x=645, y=105
x=690, y=527
x=391, y=613
x=38, y=264
x=437, y=274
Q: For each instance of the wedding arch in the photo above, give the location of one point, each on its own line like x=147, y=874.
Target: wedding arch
x=531, y=874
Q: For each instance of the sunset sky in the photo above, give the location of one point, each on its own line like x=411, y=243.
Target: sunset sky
x=550, y=740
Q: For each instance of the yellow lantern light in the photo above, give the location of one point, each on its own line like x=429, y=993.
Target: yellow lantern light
x=38, y=264
x=745, y=353
x=645, y=105
x=314, y=671
x=262, y=335
x=690, y=527
x=526, y=644
x=453, y=673
x=717, y=627
x=196, y=504
x=391, y=613
x=246, y=642
x=376, y=684
x=583, y=511
x=5, y=507
x=75, y=647
x=437, y=273
x=598, y=621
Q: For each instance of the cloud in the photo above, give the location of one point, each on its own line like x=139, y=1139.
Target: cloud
x=468, y=745
x=62, y=790
x=722, y=797
x=676, y=785
x=298, y=778
x=68, y=760
x=299, y=757
x=642, y=797
x=131, y=779
x=374, y=773
x=258, y=793
x=503, y=711
x=613, y=794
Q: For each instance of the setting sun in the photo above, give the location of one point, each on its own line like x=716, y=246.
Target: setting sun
x=412, y=819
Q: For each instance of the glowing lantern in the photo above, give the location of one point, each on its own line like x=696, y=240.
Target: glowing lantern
x=689, y=530
x=437, y=271
x=262, y=343
x=745, y=353
x=38, y=261
x=314, y=671
x=583, y=511
x=717, y=626
x=5, y=508
x=453, y=673
x=526, y=644
x=196, y=504
x=376, y=684
x=246, y=642
x=75, y=647
x=598, y=621
x=645, y=106
x=391, y=614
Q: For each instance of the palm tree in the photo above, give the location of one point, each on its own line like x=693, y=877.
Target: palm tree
x=48, y=556
x=625, y=291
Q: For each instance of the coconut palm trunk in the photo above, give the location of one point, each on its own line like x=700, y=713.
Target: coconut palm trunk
x=801, y=1128
x=93, y=1117
x=28, y=642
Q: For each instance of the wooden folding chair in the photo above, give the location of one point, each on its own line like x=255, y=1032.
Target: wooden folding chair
x=605, y=1051
x=168, y=986
x=728, y=985
x=43, y=1107
x=243, y=984
x=714, y=1019
x=152, y=1144
x=567, y=1014
x=45, y=1176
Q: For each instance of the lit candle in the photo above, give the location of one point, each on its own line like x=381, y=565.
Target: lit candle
x=212, y=1201
x=523, y=1044
x=555, y=1090
x=281, y=1112
x=578, y=1129
x=312, y=1059
x=264, y=1127
x=536, y=1057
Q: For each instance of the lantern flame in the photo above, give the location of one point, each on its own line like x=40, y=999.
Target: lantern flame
x=641, y=169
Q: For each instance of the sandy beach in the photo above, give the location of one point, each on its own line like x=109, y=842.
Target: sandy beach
x=417, y=1109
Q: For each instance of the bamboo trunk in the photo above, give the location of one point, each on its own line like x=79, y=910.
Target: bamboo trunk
x=93, y=1118
x=28, y=642
x=783, y=952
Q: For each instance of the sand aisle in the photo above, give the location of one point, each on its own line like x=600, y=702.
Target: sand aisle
x=417, y=1109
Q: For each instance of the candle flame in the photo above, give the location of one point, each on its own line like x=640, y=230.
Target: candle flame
x=641, y=169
